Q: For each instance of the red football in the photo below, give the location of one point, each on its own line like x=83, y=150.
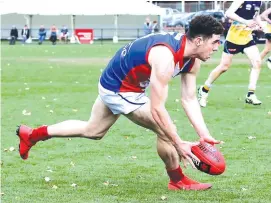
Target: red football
x=211, y=159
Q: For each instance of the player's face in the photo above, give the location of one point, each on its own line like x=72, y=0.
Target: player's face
x=208, y=47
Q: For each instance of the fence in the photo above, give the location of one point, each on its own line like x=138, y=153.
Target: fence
x=99, y=33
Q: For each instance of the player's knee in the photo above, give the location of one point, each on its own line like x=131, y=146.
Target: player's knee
x=257, y=63
x=224, y=67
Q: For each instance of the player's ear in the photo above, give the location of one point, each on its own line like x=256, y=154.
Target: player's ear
x=198, y=41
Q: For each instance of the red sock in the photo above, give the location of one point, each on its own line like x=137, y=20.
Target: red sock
x=175, y=175
x=39, y=133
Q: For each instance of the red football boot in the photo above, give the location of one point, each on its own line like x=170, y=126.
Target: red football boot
x=188, y=184
x=25, y=145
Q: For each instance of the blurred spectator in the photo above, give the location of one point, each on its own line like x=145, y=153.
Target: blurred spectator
x=42, y=34
x=64, y=34
x=25, y=34
x=155, y=27
x=53, y=36
x=13, y=35
x=147, y=27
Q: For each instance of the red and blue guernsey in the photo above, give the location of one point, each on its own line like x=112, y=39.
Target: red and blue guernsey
x=129, y=70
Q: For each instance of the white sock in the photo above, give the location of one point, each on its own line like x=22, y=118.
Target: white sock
x=254, y=75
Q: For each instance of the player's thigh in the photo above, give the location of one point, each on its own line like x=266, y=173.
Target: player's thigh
x=268, y=44
x=253, y=55
x=101, y=118
x=226, y=59
x=268, y=41
x=143, y=117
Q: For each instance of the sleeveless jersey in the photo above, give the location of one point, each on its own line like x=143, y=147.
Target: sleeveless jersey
x=239, y=33
x=129, y=70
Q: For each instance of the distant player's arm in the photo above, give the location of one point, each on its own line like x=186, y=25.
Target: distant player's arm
x=191, y=105
x=265, y=14
x=230, y=13
x=259, y=21
x=162, y=62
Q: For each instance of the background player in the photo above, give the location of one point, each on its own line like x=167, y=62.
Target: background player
x=151, y=60
x=266, y=16
x=245, y=16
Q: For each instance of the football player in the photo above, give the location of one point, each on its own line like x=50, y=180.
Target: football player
x=246, y=18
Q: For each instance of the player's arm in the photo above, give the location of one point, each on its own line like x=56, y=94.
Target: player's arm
x=191, y=105
x=230, y=13
x=265, y=14
x=162, y=63
x=259, y=22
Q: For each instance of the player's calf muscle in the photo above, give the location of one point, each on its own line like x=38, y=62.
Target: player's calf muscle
x=94, y=135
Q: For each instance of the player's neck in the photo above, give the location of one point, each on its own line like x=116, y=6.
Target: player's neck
x=190, y=50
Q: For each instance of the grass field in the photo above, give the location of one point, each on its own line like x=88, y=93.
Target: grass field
x=57, y=83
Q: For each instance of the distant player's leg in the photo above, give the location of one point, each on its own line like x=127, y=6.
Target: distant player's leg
x=166, y=151
x=224, y=65
x=254, y=56
x=267, y=47
x=100, y=121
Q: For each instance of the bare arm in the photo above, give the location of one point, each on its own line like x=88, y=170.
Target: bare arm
x=162, y=63
x=191, y=105
x=230, y=13
x=265, y=14
x=259, y=22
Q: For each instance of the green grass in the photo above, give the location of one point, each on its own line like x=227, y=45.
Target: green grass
x=74, y=86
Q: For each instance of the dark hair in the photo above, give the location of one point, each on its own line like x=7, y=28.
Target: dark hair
x=205, y=26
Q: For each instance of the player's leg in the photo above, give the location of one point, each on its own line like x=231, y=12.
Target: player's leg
x=167, y=152
x=143, y=117
x=267, y=47
x=254, y=56
x=100, y=121
x=224, y=65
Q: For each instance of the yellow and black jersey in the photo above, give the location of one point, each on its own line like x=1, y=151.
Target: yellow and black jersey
x=239, y=33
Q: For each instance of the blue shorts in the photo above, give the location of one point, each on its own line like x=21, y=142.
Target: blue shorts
x=231, y=48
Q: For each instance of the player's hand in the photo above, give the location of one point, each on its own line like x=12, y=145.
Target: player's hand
x=184, y=150
x=251, y=23
x=209, y=139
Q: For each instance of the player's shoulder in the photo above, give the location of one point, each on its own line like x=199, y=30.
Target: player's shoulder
x=160, y=53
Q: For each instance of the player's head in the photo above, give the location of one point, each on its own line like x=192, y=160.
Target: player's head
x=204, y=31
